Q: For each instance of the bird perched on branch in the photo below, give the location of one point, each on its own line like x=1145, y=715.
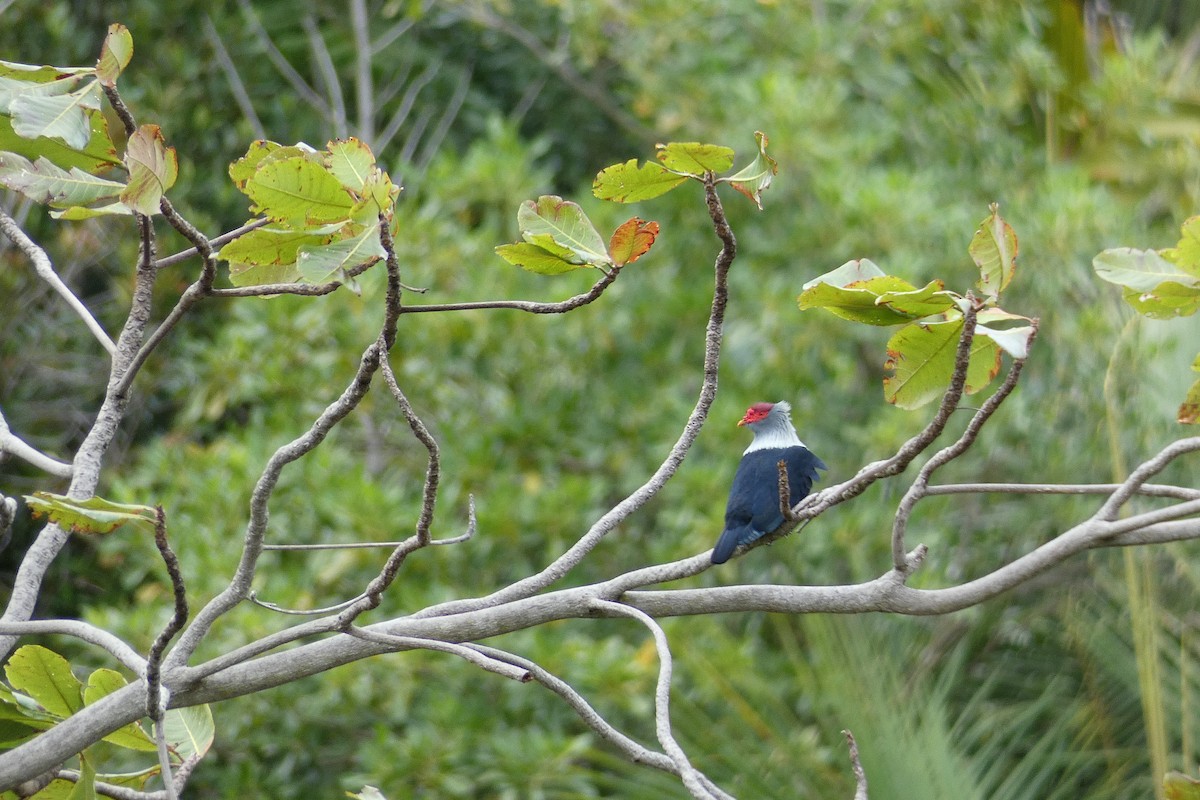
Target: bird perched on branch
x=754, y=503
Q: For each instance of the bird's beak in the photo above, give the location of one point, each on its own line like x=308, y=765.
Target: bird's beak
x=741, y=422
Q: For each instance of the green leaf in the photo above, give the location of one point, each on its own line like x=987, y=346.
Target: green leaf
x=921, y=358
x=94, y=515
x=46, y=183
x=994, y=251
x=1140, y=270
x=102, y=683
x=1165, y=301
x=628, y=183
x=756, y=178
x=12, y=88
x=367, y=793
x=536, y=259
x=242, y=170
x=1154, y=286
x=1186, y=254
x=190, y=730
x=31, y=73
x=852, y=292
x=351, y=162
x=64, y=117
x=80, y=212
x=694, y=158
x=115, y=54
x=23, y=708
x=298, y=191
x=267, y=255
x=1189, y=412
x=99, y=154
x=153, y=168
x=320, y=263
x=46, y=677
x=15, y=732
x=566, y=224
x=1178, y=786
x=85, y=786
x=631, y=240
x=924, y=302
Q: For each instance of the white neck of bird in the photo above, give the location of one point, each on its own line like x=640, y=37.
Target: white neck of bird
x=774, y=433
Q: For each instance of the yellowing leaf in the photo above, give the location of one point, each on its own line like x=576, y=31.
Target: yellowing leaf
x=153, y=168
x=994, y=251
x=631, y=240
x=115, y=54
x=1186, y=254
x=94, y=515
x=695, y=158
x=629, y=183
x=756, y=178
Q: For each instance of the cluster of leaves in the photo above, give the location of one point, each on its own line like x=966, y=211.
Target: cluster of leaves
x=1161, y=284
x=325, y=209
x=55, y=145
x=41, y=691
x=559, y=238
x=921, y=354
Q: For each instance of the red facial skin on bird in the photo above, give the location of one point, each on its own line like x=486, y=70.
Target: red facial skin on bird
x=756, y=412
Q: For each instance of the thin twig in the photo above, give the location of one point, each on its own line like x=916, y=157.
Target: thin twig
x=785, y=490
x=919, y=487
x=860, y=776
x=216, y=241
x=156, y=700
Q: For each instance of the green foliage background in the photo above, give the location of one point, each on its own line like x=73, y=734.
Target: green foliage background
x=895, y=124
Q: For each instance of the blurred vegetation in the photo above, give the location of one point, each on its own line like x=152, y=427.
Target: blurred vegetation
x=895, y=124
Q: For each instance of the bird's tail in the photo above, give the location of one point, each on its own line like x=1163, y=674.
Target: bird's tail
x=729, y=541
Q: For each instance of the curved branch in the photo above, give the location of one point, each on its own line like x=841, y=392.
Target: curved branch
x=692, y=779
x=80, y=630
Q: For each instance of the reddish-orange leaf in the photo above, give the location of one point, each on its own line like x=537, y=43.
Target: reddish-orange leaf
x=631, y=240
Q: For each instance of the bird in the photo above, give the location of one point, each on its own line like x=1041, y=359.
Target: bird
x=753, y=506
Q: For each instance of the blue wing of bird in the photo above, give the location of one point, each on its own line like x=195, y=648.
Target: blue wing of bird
x=753, y=508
